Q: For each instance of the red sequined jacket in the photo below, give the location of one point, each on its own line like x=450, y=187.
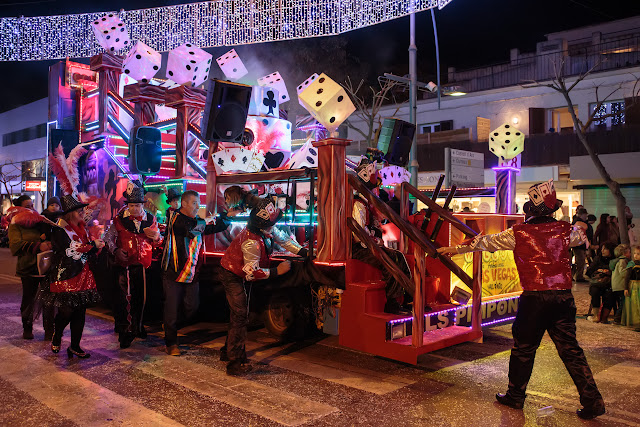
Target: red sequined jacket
x=127, y=233
x=540, y=249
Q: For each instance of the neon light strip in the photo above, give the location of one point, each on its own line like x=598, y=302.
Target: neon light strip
x=117, y=162
x=505, y=168
x=493, y=322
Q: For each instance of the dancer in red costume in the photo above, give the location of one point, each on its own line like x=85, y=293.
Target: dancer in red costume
x=541, y=251
x=131, y=239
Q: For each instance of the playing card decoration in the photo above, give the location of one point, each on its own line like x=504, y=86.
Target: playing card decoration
x=264, y=102
x=274, y=80
x=392, y=175
x=237, y=159
x=543, y=193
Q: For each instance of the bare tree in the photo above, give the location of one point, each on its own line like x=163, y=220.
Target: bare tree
x=10, y=176
x=368, y=109
x=560, y=84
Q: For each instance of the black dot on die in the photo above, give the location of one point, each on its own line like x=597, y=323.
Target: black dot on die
x=138, y=56
x=108, y=37
x=188, y=45
x=194, y=77
x=126, y=42
x=191, y=53
x=506, y=141
x=493, y=150
x=340, y=98
x=284, y=97
x=503, y=147
x=319, y=103
x=192, y=61
x=235, y=70
x=321, y=80
x=332, y=119
x=207, y=70
x=491, y=139
x=110, y=15
x=495, y=133
x=517, y=133
x=106, y=32
x=188, y=67
x=127, y=71
x=502, y=157
x=113, y=28
x=144, y=80
x=112, y=49
x=121, y=29
x=209, y=61
x=508, y=133
x=515, y=148
x=117, y=40
x=97, y=22
x=104, y=19
x=507, y=126
x=320, y=91
x=195, y=69
x=155, y=67
x=313, y=151
x=171, y=73
x=120, y=24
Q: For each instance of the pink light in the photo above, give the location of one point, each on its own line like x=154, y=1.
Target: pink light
x=505, y=168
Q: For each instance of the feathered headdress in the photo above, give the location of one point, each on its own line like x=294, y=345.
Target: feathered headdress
x=25, y=217
x=66, y=168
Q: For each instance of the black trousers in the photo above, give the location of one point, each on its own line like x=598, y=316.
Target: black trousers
x=178, y=294
x=30, y=286
x=238, y=302
x=73, y=316
x=555, y=313
x=129, y=299
x=393, y=288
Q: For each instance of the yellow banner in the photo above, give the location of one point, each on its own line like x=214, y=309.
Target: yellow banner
x=499, y=272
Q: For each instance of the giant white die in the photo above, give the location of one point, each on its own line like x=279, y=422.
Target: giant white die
x=306, y=156
x=264, y=102
x=305, y=84
x=327, y=102
x=275, y=81
x=142, y=62
x=269, y=133
x=188, y=64
x=506, y=142
x=231, y=65
x=111, y=32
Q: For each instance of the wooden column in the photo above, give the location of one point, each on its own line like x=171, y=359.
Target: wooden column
x=144, y=97
x=189, y=102
x=476, y=296
x=419, y=270
x=109, y=68
x=333, y=235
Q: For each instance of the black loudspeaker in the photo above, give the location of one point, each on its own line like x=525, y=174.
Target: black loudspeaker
x=145, y=150
x=395, y=140
x=225, y=113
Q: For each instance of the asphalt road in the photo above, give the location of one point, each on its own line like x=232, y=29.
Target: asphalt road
x=315, y=382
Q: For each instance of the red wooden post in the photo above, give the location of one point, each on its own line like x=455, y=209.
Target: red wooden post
x=189, y=102
x=144, y=97
x=419, y=269
x=109, y=68
x=333, y=235
x=476, y=299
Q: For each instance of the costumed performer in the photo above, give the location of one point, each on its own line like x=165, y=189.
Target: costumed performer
x=541, y=251
x=131, y=239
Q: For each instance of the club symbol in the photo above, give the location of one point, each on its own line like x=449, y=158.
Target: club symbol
x=221, y=161
x=270, y=101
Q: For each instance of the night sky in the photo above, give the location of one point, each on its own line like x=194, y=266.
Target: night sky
x=472, y=33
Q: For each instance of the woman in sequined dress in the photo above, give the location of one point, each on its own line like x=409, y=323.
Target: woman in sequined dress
x=70, y=286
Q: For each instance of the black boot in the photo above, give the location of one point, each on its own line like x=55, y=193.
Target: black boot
x=589, y=413
x=237, y=367
x=27, y=332
x=507, y=400
x=126, y=338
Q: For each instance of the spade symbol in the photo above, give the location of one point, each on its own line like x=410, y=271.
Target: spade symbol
x=270, y=101
x=244, y=159
x=221, y=161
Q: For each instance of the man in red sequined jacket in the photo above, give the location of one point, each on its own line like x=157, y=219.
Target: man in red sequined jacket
x=131, y=239
x=248, y=259
x=541, y=251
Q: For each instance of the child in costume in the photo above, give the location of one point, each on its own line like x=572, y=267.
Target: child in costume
x=631, y=310
x=541, y=251
x=131, y=239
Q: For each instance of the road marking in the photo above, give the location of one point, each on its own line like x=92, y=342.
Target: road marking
x=305, y=363
x=71, y=395
x=271, y=403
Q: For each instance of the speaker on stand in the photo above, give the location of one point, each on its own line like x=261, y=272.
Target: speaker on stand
x=225, y=111
x=145, y=150
x=395, y=140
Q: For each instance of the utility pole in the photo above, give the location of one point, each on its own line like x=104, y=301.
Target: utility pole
x=413, y=96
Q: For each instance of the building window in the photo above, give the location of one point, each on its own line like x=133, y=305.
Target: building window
x=608, y=115
x=26, y=134
x=561, y=120
x=33, y=168
x=430, y=128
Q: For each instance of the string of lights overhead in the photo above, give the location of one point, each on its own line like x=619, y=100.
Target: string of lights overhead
x=205, y=24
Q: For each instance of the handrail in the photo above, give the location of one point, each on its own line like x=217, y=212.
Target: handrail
x=380, y=254
x=409, y=229
x=122, y=103
x=439, y=210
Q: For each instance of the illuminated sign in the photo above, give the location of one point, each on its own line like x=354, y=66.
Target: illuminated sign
x=35, y=186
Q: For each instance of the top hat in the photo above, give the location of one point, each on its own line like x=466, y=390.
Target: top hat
x=70, y=204
x=542, y=200
x=264, y=214
x=136, y=195
x=172, y=195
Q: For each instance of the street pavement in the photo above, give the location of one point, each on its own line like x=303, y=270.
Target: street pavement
x=314, y=382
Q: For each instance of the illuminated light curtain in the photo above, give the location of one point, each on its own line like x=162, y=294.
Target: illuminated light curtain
x=206, y=24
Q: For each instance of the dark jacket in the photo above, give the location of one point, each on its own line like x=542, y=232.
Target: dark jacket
x=599, y=271
x=25, y=244
x=183, y=245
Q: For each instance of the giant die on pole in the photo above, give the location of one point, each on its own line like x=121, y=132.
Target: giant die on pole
x=188, y=64
x=111, y=32
x=506, y=142
x=142, y=63
x=327, y=102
